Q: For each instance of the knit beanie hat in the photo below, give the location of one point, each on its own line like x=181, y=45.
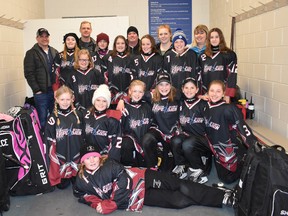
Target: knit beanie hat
x=102, y=36
x=179, y=34
x=88, y=150
x=163, y=77
x=102, y=91
x=132, y=29
x=71, y=34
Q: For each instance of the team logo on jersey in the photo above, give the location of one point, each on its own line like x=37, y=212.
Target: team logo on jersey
x=160, y=108
x=134, y=123
x=143, y=73
x=61, y=133
x=190, y=120
x=213, y=68
x=83, y=88
x=211, y=124
x=178, y=68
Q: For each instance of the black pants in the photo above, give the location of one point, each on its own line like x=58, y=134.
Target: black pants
x=129, y=155
x=193, y=151
x=167, y=191
x=151, y=152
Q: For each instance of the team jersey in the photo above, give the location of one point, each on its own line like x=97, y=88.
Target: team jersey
x=113, y=183
x=97, y=60
x=136, y=119
x=224, y=123
x=222, y=66
x=104, y=133
x=191, y=116
x=83, y=84
x=166, y=116
x=146, y=70
x=181, y=66
x=118, y=73
x=63, y=143
x=64, y=67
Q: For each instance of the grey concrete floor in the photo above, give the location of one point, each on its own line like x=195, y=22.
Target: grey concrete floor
x=63, y=203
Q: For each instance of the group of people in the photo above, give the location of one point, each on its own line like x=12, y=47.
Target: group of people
x=141, y=123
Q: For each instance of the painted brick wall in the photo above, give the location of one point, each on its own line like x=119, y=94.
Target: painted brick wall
x=262, y=48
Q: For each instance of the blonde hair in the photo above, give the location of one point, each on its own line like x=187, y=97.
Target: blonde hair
x=62, y=90
x=83, y=52
x=82, y=167
x=76, y=50
x=167, y=27
x=198, y=28
x=85, y=22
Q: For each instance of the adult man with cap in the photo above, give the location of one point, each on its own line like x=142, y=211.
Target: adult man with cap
x=38, y=70
x=133, y=40
x=86, y=41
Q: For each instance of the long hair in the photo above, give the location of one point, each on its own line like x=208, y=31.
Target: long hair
x=198, y=28
x=157, y=95
x=222, y=44
x=114, y=51
x=62, y=90
x=152, y=41
x=76, y=50
x=82, y=167
x=83, y=52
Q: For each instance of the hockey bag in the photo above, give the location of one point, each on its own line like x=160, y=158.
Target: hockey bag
x=4, y=189
x=263, y=185
x=23, y=148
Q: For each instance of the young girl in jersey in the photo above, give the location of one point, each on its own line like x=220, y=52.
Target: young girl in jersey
x=117, y=69
x=165, y=37
x=181, y=62
x=106, y=186
x=100, y=130
x=102, y=49
x=64, y=62
x=148, y=64
x=85, y=79
x=190, y=149
x=136, y=120
x=165, y=107
x=200, y=39
x=64, y=136
x=227, y=133
x=218, y=63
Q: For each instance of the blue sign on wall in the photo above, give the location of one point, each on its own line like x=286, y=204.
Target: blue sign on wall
x=177, y=14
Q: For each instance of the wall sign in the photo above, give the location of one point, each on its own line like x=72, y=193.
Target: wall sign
x=177, y=14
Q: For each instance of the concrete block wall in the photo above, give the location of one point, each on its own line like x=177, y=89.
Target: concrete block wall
x=12, y=81
x=262, y=47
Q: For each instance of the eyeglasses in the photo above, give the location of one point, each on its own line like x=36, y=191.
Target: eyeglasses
x=84, y=60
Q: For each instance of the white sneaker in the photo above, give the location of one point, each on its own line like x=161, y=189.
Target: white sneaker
x=197, y=175
x=180, y=171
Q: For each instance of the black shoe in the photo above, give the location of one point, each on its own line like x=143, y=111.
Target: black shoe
x=230, y=199
x=64, y=184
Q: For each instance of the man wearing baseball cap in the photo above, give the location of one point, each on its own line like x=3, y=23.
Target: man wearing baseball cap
x=38, y=71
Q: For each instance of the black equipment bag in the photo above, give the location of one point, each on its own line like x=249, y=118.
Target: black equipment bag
x=263, y=185
x=24, y=151
x=4, y=194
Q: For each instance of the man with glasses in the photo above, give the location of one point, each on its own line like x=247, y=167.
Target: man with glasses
x=38, y=70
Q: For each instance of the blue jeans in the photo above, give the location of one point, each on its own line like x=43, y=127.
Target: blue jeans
x=44, y=104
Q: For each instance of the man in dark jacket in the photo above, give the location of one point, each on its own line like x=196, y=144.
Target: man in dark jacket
x=133, y=40
x=38, y=69
x=86, y=41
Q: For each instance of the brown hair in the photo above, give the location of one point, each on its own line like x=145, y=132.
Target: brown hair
x=217, y=82
x=114, y=51
x=85, y=22
x=82, y=167
x=222, y=44
x=157, y=95
x=198, y=28
x=83, y=52
x=153, y=44
x=62, y=90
